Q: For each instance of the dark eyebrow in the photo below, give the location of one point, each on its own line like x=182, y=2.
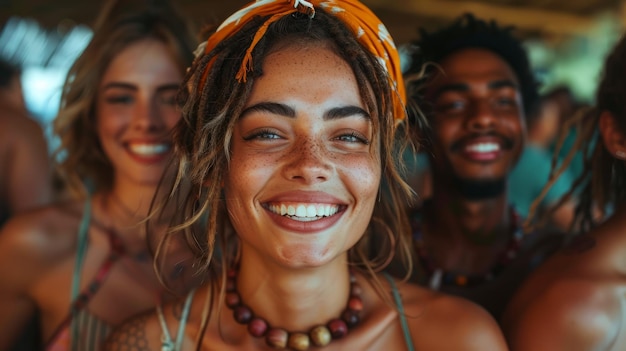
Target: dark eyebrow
x=270, y=107
x=456, y=87
x=287, y=111
x=345, y=111
x=120, y=85
x=502, y=83
x=167, y=87
x=462, y=87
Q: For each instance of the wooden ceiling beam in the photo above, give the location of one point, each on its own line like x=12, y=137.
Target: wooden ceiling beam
x=551, y=22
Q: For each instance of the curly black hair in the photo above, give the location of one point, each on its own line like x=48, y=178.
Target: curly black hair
x=465, y=32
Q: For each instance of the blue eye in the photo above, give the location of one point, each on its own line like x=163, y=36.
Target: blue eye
x=263, y=134
x=353, y=138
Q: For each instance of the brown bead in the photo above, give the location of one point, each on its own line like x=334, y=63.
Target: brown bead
x=230, y=285
x=232, y=273
x=257, y=327
x=320, y=336
x=338, y=328
x=232, y=299
x=299, y=341
x=277, y=338
x=242, y=314
x=355, y=304
x=350, y=317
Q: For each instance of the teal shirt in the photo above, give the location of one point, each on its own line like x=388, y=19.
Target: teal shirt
x=530, y=175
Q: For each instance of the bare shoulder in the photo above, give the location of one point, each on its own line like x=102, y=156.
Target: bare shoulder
x=139, y=333
x=570, y=314
x=17, y=126
x=442, y=322
x=35, y=240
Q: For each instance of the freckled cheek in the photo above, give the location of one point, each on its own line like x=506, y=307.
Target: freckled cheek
x=364, y=176
x=247, y=175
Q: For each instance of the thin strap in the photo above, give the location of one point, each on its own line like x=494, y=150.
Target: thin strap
x=81, y=249
x=79, y=300
x=166, y=339
x=167, y=344
x=398, y=300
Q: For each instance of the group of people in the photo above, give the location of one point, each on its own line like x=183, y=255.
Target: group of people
x=242, y=190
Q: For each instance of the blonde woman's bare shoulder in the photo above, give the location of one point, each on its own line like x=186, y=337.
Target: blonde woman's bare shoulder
x=36, y=240
x=442, y=322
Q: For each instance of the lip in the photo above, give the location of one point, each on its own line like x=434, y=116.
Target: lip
x=303, y=197
x=147, y=159
x=482, y=149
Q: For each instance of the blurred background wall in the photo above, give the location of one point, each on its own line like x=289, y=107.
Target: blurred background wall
x=567, y=39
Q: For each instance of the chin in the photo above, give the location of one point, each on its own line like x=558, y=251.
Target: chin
x=305, y=257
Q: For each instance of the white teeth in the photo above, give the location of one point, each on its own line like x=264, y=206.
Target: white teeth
x=301, y=211
x=304, y=212
x=483, y=147
x=149, y=149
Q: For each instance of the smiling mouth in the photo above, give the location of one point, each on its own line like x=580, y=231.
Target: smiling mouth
x=303, y=212
x=483, y=147
x=148, y=149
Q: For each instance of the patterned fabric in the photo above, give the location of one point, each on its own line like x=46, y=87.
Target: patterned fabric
x=81, y=330
x=368, y=29
x=93, y=332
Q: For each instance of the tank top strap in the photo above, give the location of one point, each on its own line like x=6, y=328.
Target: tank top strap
x=80, y=299
x=167, y=343
x=81, y=248
x=398, y=300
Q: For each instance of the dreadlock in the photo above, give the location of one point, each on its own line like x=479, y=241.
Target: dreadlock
x=210, y=107
x=602, y=183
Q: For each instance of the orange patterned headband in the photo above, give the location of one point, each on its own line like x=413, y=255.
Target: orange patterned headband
x=363, y=23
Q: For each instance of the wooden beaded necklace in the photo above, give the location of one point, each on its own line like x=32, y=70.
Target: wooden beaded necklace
x=281, y=339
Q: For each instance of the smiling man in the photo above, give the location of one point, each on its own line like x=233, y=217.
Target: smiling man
x=477, y=88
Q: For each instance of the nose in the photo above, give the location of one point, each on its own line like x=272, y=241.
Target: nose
x=481, y=116
x=147, y=116
x=309, y=162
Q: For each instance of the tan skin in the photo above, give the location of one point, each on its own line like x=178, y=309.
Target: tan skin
x=25, y=181
x=476, y=102
x=305, y=138
x=575, y=301
x=134, y=107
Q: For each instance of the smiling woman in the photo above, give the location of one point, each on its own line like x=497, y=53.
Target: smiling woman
x=291, y=118
x=84, y=263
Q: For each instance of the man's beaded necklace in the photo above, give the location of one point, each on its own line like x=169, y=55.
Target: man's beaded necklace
x=438, y=277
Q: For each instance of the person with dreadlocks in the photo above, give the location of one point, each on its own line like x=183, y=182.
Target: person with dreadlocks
x=575, y=300
x=292, y=115
x=476, y=88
